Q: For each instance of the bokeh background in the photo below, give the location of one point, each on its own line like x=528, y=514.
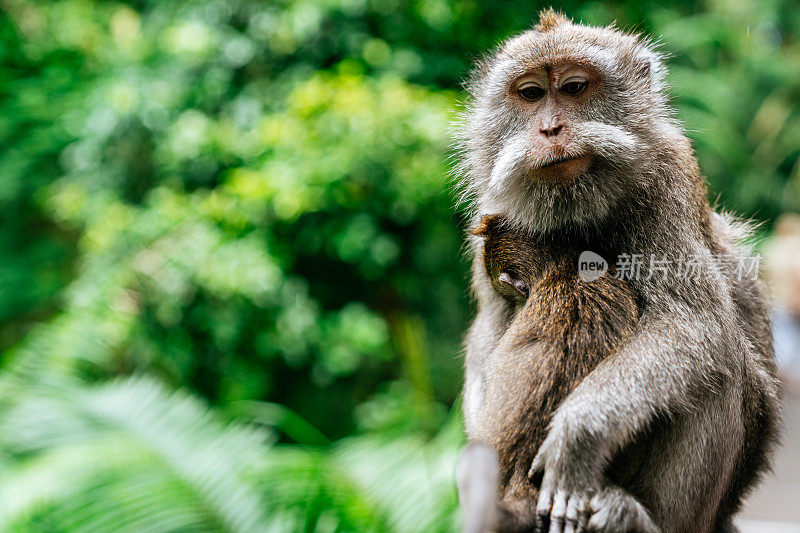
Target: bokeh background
x=232, y=282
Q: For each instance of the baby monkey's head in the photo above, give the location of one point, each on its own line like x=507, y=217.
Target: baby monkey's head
x=563, y=123
x=510, y=257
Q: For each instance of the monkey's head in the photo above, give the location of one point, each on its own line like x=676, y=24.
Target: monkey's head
x=563, y=123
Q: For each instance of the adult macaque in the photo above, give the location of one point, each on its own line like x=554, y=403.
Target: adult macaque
x=640, y=402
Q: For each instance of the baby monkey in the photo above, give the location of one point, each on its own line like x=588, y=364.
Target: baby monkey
x=563, y=327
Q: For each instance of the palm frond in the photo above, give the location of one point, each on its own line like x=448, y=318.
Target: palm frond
x=131, y=456
x=130, y=439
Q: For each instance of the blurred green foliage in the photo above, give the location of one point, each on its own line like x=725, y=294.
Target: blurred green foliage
x=233, y=290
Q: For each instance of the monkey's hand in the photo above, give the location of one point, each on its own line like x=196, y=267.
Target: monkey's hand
x=568, y=483
x=571, y=500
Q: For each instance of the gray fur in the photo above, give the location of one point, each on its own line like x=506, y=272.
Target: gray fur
x=698, y=373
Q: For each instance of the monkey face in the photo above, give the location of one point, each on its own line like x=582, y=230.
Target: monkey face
x=563, y=124
x=552, y=99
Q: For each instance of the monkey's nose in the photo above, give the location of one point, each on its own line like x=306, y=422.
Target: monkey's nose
x=551, y=131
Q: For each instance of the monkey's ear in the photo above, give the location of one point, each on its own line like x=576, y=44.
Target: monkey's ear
x=488, y=225
x=550, y=18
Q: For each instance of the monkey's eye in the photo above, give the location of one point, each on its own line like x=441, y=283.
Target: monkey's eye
x=573, y=87
x=531, y=93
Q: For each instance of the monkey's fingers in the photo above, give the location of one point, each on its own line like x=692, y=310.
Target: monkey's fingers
x=543, y=506
x=576, y=516
x=558, y=511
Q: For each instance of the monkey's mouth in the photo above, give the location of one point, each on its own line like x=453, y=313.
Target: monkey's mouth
x=563, y=170
x=561, y=160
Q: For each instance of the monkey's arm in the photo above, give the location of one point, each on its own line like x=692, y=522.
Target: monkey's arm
x=477, y=469
x=484, y=334
x=676, y=357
